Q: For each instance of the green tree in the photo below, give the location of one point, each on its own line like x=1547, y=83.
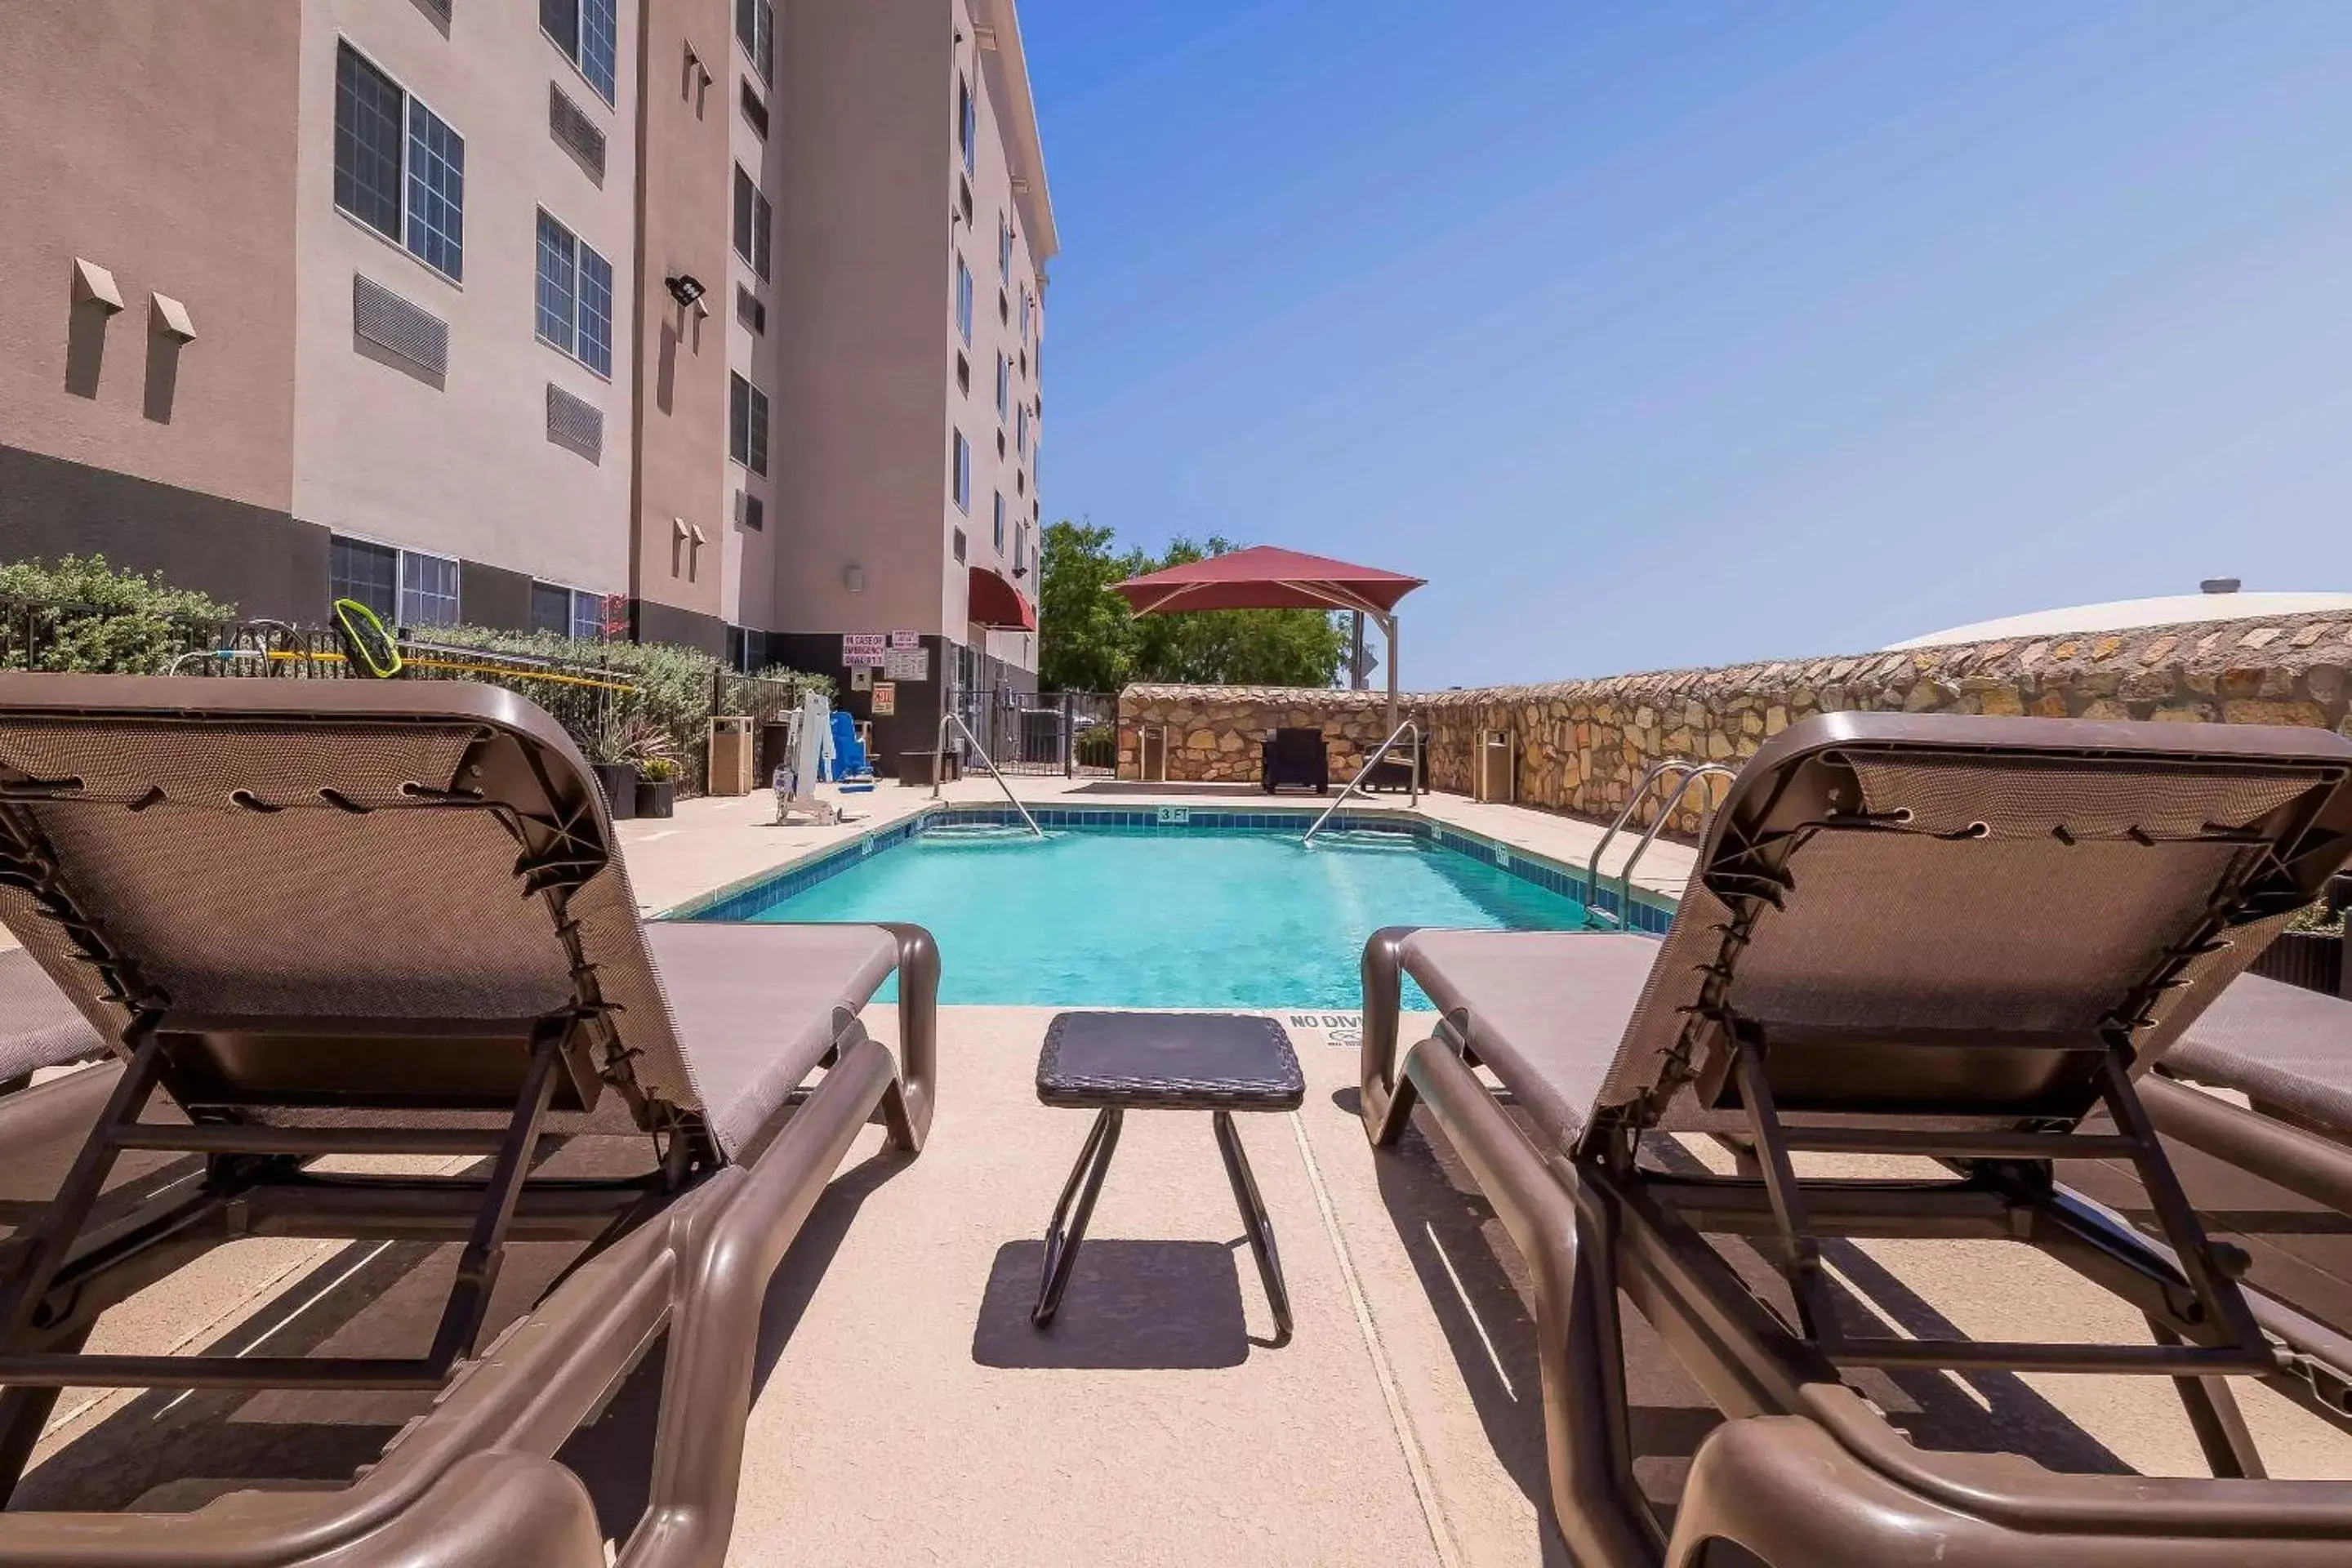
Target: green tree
x=1088, y=641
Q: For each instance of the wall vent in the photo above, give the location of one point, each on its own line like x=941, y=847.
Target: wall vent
x=575, y=423
x=390, y=322
x=575, y=133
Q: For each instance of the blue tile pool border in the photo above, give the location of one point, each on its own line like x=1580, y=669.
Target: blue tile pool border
x=753, y=895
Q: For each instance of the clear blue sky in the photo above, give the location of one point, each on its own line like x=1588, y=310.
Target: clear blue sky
x=1658, y=333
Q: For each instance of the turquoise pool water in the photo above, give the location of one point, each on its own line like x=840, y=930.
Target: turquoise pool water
x=1129, y=917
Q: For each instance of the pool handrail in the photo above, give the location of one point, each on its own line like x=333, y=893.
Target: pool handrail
x=1355, y=785
x=938, y=765
x=1691, y=770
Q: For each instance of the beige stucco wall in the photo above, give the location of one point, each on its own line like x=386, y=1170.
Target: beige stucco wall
x=177, y=174
x=862, y=132
x=682, y=358
x=467, y=470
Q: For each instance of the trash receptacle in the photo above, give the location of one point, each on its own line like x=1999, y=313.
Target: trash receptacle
x=733, y=764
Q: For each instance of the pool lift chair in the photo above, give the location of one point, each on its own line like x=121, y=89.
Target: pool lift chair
x=436, y=953
x=1942, y=937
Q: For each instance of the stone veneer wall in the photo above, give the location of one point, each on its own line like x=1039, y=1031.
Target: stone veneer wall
x=1214, y=731
x=1582, y=745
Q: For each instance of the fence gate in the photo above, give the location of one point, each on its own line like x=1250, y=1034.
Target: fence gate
x=1065, y=733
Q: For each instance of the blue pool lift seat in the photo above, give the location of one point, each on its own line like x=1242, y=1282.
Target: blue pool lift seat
x=852, y=769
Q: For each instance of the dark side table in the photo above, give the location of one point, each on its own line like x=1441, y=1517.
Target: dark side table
x=1111, y=1063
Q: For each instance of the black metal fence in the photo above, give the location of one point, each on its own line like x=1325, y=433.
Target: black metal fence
x=1069, y=733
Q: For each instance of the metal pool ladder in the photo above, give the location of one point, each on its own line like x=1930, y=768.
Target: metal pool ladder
x=1692, y=771
x=938, y=765
x=1412, y=795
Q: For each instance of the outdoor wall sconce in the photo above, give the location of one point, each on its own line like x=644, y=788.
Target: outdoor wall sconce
x=171, y=319
x=854, y=579
x=94, y=285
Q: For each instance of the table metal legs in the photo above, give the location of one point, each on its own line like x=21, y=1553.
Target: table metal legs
x=1259, y=1229
x=1068, y=1229
x=1061, y=1249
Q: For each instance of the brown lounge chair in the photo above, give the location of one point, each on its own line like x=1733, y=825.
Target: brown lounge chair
x=389, y=920
x=38, y=1027
x=1904, y=935
x=2272, y=1176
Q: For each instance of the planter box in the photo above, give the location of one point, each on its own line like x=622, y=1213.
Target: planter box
x=619, y=783
x=656, y=797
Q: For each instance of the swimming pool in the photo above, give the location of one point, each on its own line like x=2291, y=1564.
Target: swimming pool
x=1118, y=908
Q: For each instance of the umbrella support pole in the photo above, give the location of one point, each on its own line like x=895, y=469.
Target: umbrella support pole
x=1355, y=785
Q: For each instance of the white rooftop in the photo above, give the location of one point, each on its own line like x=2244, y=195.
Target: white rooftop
x=2170, y=610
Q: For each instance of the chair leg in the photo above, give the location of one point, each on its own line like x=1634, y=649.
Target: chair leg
x=2229, y=1447
x=1067, y=1230
x=1254, y=1223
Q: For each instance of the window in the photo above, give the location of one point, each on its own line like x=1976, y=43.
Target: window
x=399, y=168
x=963, y=299
x=368, y=572
x=1003, y=387
x=575, y=296
x=966, y=125
x=959, y=475
x=755, y=29
x=588, y=32
x=429, y=590
x=1000, y=522
x=746, y=425
x=755, y=222
x=1003, y=248
x=567, y=612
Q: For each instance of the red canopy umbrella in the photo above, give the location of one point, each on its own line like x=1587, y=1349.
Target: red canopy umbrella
x=1265, y=578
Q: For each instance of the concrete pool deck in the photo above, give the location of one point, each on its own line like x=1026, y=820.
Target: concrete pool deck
x=906, y=1412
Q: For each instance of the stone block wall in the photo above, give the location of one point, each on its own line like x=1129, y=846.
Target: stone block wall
x=1214, y=731
x=1582, y=744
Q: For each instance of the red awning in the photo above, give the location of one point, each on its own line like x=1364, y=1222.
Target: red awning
x=1261, y=578
x=997, y=603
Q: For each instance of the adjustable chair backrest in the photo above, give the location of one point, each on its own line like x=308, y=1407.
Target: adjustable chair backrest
x=328, y=897
x=1958, y=919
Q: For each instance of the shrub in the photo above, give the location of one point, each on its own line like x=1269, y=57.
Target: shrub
x=83, y=615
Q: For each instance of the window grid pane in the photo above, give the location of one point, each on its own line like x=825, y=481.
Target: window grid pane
x=367, y=572
x=588, y=617
x=599, y=47
x=558, y=283
x=368, y=142
x=429, y=590
x=559, y=20
x=595, y=311
x=551, y=608
x=437, y=190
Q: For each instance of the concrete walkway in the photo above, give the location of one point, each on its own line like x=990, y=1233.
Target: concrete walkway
x=906, y=1413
